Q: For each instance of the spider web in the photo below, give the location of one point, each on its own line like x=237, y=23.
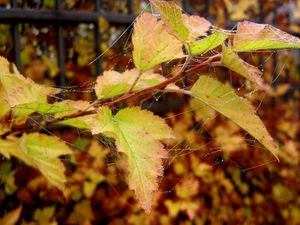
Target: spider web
x=207, y=151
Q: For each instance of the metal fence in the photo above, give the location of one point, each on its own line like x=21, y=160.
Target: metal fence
x=60, y=17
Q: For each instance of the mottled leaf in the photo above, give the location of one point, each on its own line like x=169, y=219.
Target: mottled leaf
x=239, y=110
x=233, y=62
x=207, y=43
x=137, y=133
x=19, y=90
x=113, y=83
x=152, y=44
x=253, y=36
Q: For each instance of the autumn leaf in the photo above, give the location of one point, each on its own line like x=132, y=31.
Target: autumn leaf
x=113, y=83
x=5, y=108
x=253, y=36
x=223, y=99
x=19, y=90
x=12, y=217
x=152, y=44
x=233, y=62
x=208, y=43
x=83, y=122
x=41, y=108
x=137, y=133
x=185, y=28
x=41, y=152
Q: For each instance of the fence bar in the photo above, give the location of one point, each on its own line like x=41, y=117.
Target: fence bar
x=16, y=39
x=97, y=38
x=61, y=16
x=60, y=51
x=130, y=6
x=185, y=6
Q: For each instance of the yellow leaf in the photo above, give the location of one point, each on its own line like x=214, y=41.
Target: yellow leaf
x=233, y=62
x=113, y=83
x=152, y=44
x=41, y=152
x=12, y=217
x=137, y=133
x=185, y=28
x=253, y=36
x=223, y=99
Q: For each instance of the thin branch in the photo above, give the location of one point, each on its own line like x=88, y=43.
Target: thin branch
x=184, y=71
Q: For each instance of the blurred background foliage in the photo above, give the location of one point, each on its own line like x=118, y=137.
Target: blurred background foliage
x=215, y=174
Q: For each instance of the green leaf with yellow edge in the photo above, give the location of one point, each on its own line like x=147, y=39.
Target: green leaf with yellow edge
x=113, y=83
x=152, y=44
x=41, y=152
x=82, y=122
x=223, y=99
x=233, y=62
x=12, y=217
x=253, y=36
x=208, y=43
x=138, y=133
x=185, y=28
x=41, y=108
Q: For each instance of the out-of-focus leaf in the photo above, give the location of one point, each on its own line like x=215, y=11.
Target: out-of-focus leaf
x=82, y=213
x=202, y=111
x=208, y=43
x=12, y=217
x=239, y=110
x=45, y=216
x=253, y=36
x=238, y=11
x=233, y=62
x=189, y=207
x=7, y=177
x=152, y=44
x=113, y=83
x=137, y=133
x=187, y=188
x=185, y=28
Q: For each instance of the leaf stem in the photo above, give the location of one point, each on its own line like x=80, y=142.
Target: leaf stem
x=183, y=71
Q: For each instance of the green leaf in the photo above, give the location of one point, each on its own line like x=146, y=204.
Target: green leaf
x=152, y=44
x=113, y=83
x=41, y=108
x=41, y=152
x=83, y=122
x=185, y=28
x=233, y=62
x=137, y=133
x=253, y=36
x=223, y=99
x=208, y=43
